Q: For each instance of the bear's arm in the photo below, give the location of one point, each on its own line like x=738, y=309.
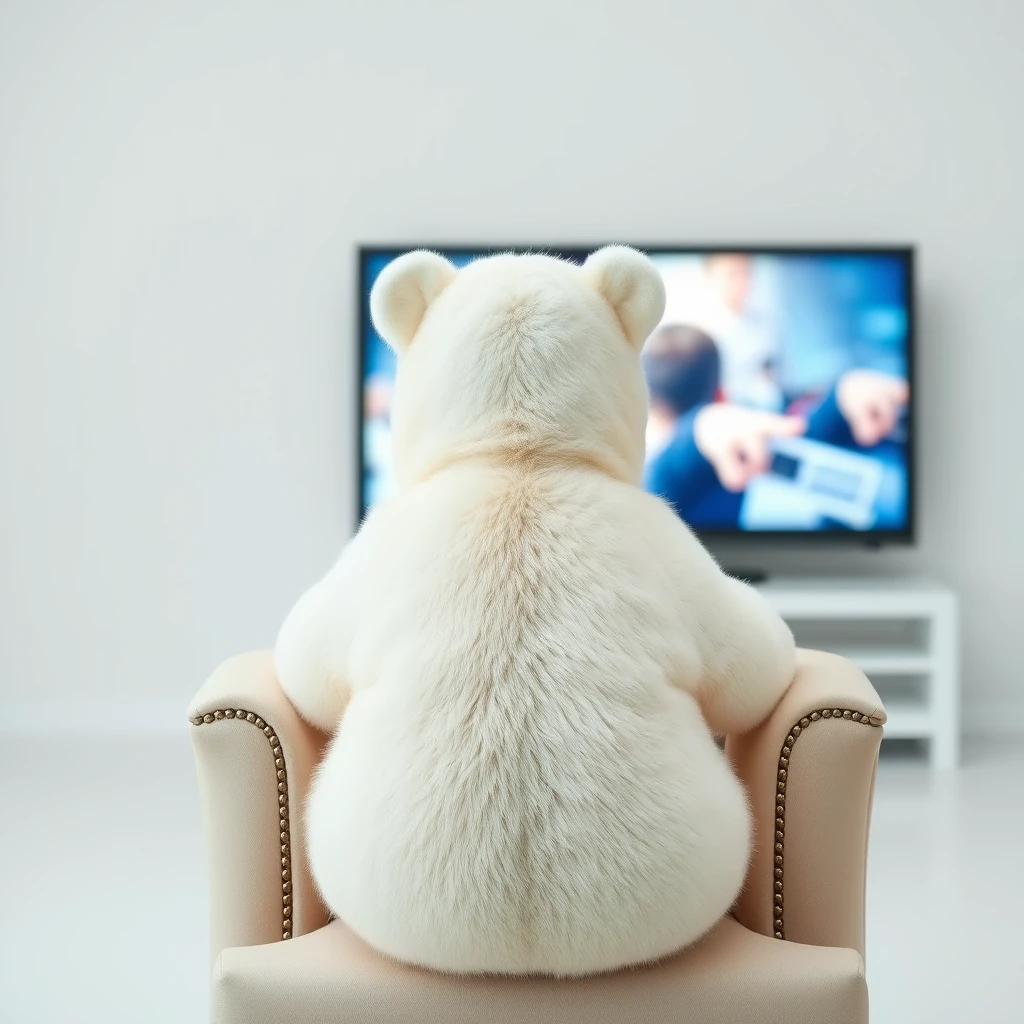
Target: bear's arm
x=747, y=653
x=313, y=645
x=749, y=657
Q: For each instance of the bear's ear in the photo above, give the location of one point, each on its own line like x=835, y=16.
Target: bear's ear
x=631, y=284
x=404, y=291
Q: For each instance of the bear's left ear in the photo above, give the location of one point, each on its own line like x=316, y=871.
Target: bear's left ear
x=631, y=284
x=403, y=292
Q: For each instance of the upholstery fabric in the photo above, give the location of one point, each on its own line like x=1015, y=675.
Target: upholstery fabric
x=732, y=975
x=238, y=785
x=739, y=972
x=829, y=784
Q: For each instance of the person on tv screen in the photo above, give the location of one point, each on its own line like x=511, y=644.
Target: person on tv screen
x=750, y=345
x=746, y=334
x=682, y=367
x=704, y=452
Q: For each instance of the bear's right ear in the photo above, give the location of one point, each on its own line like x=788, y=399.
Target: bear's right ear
x=404, y=291
x=632, y=286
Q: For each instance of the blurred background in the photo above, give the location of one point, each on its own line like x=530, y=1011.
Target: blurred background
x=182, y=189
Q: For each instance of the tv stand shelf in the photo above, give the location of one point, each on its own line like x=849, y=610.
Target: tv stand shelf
x=904, y=636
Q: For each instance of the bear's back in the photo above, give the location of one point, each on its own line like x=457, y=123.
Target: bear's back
x=528, y=578
x=515, y=785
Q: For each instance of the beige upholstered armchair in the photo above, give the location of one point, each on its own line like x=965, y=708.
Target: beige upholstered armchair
x=791, y=951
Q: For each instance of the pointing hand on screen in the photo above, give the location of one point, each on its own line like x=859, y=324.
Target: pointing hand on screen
x=871, y=403
x=736, y=441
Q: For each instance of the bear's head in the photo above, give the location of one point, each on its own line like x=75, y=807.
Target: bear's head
x=519, y=358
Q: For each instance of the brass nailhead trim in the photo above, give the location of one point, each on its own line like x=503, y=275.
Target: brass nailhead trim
x=779, y=924
x=282, y=798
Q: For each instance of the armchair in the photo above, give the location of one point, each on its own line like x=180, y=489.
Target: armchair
x=791, y=950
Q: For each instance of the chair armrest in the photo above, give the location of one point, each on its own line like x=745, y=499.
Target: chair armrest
x=809, y=770
x=255, y=758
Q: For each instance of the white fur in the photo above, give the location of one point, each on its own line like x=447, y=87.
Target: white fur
x=633, y=287
x=526, y=651
x=404, y=290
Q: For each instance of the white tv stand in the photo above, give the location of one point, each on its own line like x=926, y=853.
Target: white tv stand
x=904, y=635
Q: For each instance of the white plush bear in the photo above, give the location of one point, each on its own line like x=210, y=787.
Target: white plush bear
x=523, y=655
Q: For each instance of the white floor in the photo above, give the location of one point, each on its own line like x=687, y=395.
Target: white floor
x=104, y=913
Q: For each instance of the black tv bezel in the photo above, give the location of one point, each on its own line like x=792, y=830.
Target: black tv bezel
x=908, y=252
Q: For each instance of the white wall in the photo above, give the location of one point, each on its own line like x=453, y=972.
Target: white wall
x=182, y=186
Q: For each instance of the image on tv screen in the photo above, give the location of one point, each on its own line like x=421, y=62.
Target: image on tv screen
x=778, y=383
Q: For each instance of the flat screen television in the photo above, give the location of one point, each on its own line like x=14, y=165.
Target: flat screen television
x=781, y=388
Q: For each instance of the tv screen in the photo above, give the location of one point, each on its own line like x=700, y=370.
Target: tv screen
x=780, y=388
